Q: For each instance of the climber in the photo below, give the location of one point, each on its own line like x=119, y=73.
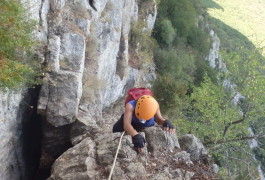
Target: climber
x=139, y=114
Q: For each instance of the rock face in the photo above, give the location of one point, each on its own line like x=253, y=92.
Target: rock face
x=87, y=64
x=87, y=57
x=93, y=159
x=193, y=145
x=11, y=148
x=19, y=133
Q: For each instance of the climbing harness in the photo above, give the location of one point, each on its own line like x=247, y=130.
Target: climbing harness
x=117, y=151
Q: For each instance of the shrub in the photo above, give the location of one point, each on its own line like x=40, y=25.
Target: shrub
x=15, y=28
x=166, y=33
x=175, y=68
x=202, y=68
x=16, y=46
x=199, y=40
x=167, y=91
x=181, y=13
x=142, y=42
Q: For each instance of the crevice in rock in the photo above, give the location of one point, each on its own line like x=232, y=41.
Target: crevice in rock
x=55, y=141
x=30, y=132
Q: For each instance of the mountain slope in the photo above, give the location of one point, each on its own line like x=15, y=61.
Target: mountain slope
x=247, y=17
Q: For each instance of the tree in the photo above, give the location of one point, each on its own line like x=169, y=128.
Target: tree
x=166, y=33
x=16, y=46
x=220, y=117
x=220, y=113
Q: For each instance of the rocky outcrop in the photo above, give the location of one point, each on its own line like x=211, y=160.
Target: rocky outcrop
x=87, y=64
x=193, y=145
x=162, y=159
x=87, y=70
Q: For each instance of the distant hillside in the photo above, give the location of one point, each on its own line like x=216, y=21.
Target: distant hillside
x=246, y=17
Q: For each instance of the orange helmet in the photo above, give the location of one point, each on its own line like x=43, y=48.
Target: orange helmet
x=146, y=107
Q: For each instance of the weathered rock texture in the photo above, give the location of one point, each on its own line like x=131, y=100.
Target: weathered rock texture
x=162, y=159
x=15, y=111
x=10, y=134
x=87, y=64
x=19, y=133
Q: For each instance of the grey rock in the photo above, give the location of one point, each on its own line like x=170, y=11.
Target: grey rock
x=54, y=49
x=135, y=170
x=43, y=29
x=193, y=145
x=215, y=168
x=182, y=156
x=100, y=155
x=76, y=163
x=66, y=33
x=62, y=87
x=151, y=17
x=84, y=25
x=63, y=100
x=10, y=134
x=55, y=140
x=180, y=174
x=72, y=53
x=57, y=5
x=43, y=97
x=118, y=173
x=214, y=56
x=159, y=139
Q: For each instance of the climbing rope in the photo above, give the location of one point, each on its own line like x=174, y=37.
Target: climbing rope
x=114, y=162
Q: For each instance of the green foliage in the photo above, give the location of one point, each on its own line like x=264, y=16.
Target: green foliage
x=236, y=23
x=181, y=13
x=211, y=112
x=260, y=155
x=236, y=163
x=178, y=19
x=14, y=74
x=199, y=40
x=202, y=68
x=16, y=62
x=230, y=38
x=15, y=28
x=246, y=70
x=175, y=68
x=175, y=30
x=258, y=129
x=219, y=122
x=215, y=116
x=142, y=41
x=166, y=33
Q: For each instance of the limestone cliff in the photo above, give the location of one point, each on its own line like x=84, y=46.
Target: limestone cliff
x=87, y=65
x=88, y=68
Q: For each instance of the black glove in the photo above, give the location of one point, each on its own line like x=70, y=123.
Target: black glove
x=168, y=124
x=138, y=141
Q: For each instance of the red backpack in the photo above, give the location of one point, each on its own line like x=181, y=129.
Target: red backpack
x=135, y=93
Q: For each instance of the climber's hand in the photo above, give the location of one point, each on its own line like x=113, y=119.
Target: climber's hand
x=139, y=142
x=168, y=126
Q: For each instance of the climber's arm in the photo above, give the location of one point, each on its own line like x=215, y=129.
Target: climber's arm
x=128, y=120
x=137, y=139
x=158, y=117
x=167, y=126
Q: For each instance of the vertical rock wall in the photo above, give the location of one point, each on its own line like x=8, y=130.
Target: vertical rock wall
x=15, y=113
x=87, y=64
x=11, y=166
x=85, y=54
